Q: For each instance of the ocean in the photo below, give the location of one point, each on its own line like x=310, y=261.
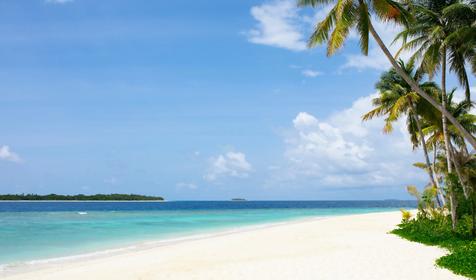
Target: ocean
x=31, y=231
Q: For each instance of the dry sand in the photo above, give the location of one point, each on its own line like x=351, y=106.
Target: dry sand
x=346, y=247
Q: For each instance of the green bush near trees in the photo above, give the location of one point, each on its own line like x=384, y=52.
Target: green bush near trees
x=437, y=231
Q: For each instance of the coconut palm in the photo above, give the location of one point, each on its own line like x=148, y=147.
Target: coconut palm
x=463, y=18
x=435, y=21
x=347, y=14
x=433, y=129
x=396, y=99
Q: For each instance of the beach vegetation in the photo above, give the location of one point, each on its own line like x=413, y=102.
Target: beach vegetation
x=439, y=37
x=343, y=16
x=406, y=215
x=437, y=231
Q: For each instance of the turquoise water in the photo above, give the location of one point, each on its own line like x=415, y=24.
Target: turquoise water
x=32, y=235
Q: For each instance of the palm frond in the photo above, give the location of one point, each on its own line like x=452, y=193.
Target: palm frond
x=313, y=3
x=344, y=22
x=420, y=165
x=321, y=32
x=363, y=27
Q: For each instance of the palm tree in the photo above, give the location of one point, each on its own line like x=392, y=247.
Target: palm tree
x=433, y=129
x=435, y=20
x=396, y=99
x=347, y=14
x=463, y=18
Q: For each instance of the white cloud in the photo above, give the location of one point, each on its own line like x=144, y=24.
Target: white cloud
x=310, y=73
x=460, y=94
x=185, y=185
x=231, y=164
x=327, y=142
x=304, y=120
x=59, y=1
x=279, y=25
x=342, y=151
x=8, y=155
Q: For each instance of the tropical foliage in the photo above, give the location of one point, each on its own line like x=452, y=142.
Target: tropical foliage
x=440, y=36
x=438, y=231
x=347, y=14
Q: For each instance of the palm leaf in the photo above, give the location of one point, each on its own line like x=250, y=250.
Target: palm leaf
x=344, y=21
x=313, y=3
x=321, y=32
x=363, y=27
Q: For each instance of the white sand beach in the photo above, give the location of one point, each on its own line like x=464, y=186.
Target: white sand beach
x=346, y=247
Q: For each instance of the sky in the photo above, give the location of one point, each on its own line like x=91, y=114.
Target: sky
x=191, y=100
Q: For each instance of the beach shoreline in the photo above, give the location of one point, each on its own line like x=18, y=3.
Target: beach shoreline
x=16, y=268
x=309, y=248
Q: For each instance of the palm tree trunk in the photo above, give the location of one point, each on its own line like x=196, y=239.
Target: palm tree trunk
x=453, y=206
x=448, y=146
x=435, y=155
x=449, y=151
x=418, y=90
x=443, y=104
x=435, y=151
x=459, y=173
x=431, y=171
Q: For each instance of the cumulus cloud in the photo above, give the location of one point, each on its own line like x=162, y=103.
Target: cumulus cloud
x=341, y=151
x=281, y=24
x=59, y=1
x=310, y=73
x=304, y=120
x=278, y=25
x=8, y=155
x=231, y=164
x=322, y=140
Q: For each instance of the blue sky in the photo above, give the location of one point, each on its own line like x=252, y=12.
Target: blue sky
x=189, y=100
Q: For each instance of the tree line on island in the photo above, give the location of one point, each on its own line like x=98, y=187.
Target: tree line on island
x=81, y=197
x=440, y=36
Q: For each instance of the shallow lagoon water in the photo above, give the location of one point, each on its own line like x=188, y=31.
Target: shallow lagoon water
x=40, y=230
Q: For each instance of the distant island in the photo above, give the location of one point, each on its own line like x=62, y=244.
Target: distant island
x=238, y=199
x=81, y=197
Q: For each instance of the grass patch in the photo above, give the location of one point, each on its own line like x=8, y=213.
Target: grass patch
x=462, y=257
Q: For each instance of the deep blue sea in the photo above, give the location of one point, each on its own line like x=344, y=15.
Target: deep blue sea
x=41, y=230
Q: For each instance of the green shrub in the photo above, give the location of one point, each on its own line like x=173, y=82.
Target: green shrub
x=462, y=260
x=437, y=231
x=463, y=229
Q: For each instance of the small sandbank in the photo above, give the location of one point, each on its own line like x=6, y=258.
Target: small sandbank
x=344, y=247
